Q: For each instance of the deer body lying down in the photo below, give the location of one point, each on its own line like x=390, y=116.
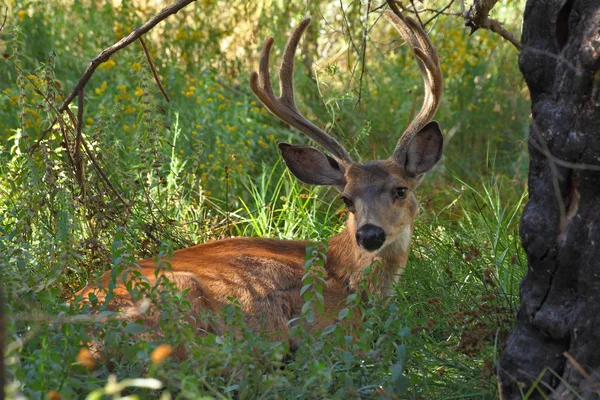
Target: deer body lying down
x=265, y=275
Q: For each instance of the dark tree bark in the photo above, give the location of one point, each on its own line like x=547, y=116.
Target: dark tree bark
x=558, y=329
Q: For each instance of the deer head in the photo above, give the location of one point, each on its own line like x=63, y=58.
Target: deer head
x=378, y=194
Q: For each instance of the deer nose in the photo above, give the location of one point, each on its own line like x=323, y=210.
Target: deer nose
x=370, y=237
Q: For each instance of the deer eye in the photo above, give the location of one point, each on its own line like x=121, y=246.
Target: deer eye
x=400, y=193
x=348, y=202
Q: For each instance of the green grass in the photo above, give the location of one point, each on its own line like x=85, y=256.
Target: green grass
x=438, y=336
x=205, y=166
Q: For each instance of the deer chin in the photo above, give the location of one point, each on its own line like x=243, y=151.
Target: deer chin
x=396, y=244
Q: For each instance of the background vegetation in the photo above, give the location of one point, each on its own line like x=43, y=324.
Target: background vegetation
x=204, y=166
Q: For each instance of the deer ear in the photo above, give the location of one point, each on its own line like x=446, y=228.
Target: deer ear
x=424, y=150
x=312, y=166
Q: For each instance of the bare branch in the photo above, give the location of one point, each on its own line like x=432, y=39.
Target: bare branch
x=440, y=12
x=126, y=41
x=477, y=17
x=78, y=136
x=96, y=164
x=4, y=21
x=153, y=69
x=363, y=51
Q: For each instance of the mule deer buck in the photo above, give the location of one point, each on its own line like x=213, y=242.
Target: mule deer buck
x=265, y=275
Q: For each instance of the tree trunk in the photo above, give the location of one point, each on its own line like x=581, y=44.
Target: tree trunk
x=557, y=336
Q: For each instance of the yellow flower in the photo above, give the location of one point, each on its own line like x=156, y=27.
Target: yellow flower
x=136, y=66
x=219, y=121
x=198, y=126
x=126, y=128
x=209, y=100
x=22, y=14
x=181, y=151
x=139, y=91
x=90, y=121
x=161, y=353
x=86, y=358
x=102, y=88
x=108, y=64
x=53, y=395
x=122, y=88
x=220, y=96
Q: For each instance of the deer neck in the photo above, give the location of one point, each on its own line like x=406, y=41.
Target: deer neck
x=346, y=261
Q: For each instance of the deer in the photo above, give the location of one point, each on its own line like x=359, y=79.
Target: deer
x=265, y=275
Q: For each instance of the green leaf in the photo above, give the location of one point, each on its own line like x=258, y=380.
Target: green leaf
x=401, y=353
x=343, y=313
x=310, y=316
x=347, y=357
x=305, y=288
x=135, y=328
x=351, y=298
x=329, y=329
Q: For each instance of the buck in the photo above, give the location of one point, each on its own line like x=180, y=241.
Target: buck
x=265, y=275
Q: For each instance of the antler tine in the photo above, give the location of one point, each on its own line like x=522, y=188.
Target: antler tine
x=284, y=107
x=429, y=64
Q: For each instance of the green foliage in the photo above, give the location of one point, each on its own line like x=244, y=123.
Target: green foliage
x=204, y=166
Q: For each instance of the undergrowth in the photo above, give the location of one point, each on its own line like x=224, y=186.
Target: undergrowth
x=204, y=166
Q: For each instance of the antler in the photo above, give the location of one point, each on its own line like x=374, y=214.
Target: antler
x=429, y=64
x=284, y=107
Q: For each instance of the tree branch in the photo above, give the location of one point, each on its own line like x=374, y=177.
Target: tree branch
x=153, y=69
x=126, y=41
x=477, y=17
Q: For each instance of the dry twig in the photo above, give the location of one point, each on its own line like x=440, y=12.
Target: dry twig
x=153, y=69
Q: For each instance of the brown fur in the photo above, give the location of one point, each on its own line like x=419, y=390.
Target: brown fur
x=265, y=275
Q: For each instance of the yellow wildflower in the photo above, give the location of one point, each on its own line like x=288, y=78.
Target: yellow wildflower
x=54, y=395
x=108, y=64
x=86, y=358
x=161, y=353
x=102, y=88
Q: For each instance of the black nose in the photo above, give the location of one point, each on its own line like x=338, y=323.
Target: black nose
x=370, y=237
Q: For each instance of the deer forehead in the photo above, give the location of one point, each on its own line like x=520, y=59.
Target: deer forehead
x=374, y=176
